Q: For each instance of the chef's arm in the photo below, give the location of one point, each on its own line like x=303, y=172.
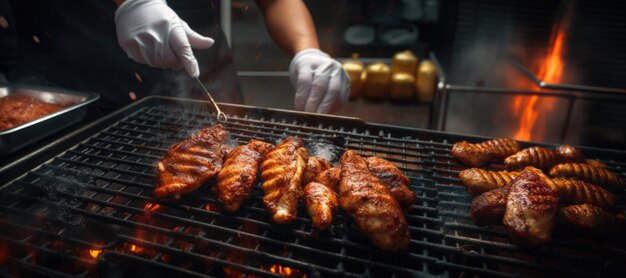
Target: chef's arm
x=290, y=24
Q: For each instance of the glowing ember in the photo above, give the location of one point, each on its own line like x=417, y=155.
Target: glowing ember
x=135, y=248
x=138, y=77
x=550, y=71
x=95, y=253
x=151, y=207
x=285, y=271
x=210, y=207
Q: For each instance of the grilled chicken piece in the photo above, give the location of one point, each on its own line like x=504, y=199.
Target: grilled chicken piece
x=481, y=153
x=595, y=163
x=589, y=173
x=542, y=158
x=393, y=179
x=320, y=197
x=591, y=219
x=236, y=180
x=329, y=178
x=192, y=162
x=478, y=181
x=531, y=208
x=488, y=208
x=377, y=214
x=314, y=166
x=282, y=171
x=576, y=192
x=320, y=202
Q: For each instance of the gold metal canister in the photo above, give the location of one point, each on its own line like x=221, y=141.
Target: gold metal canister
x=376, y=81
x=426, y=83
x=355, y=69
x=402, y=86
x=404, y=61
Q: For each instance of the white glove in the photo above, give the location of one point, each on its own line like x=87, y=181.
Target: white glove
x=152, y=33
x=322, y=85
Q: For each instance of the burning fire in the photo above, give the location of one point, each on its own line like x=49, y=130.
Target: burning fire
x=286, y=271
x=152, y=207
x=95, y=253
x=550, y=71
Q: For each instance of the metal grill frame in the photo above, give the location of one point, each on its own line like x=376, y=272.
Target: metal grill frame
x=443, y=243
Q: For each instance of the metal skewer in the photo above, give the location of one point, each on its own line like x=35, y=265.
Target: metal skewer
x=221, y=116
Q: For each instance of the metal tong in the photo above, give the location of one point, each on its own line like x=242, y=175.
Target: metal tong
x=221, y=116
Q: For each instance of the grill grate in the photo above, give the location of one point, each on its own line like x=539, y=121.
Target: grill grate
x=89, y=209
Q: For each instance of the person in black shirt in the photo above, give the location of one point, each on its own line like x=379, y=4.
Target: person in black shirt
x=86, y=45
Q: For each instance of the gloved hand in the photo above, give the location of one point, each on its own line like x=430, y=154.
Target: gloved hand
x=322, y=85
x=152, y=33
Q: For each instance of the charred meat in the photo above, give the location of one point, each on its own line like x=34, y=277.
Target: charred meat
x=542, y=158
x=282, y=171
x=596, y=175
x=321, y=203
x=481, y=153
x=238, y=175
x=531, y=208
x=394, y=179
x=190, y=163
x=377, y=214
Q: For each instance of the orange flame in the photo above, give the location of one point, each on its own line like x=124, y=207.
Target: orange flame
x=152, y=207
x=135, y=248
x=286, y=271
x=550, y=71
x=95, y=253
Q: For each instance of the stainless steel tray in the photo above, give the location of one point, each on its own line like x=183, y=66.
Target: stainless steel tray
x=20, y=136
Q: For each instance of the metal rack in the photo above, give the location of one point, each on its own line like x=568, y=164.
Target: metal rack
x=85, y=207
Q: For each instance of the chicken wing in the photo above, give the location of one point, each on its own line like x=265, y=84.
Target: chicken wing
x=478, y=181
x=314, y=166
x=591, y=219
x=282, y=171
x=192, y=162
x=236, y=179
x=321, y=203
x=589, y=173
x=531, y=208
x=393, y=179
x=329, y=178
x=377, y=214
x=481, y=153
x=576, y=192
x=488, y=208
x=542, y=158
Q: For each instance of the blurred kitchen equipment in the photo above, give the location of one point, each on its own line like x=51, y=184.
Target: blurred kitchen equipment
x=376, y=81
x=355, y=69
x=75, y=109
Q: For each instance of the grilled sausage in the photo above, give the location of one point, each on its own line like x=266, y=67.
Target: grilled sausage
x=478, y=181
x=377, y=214
x=282, y=171
x=531, y=208
x=236, y=179
x=589, y=173
x=393, y=179
x=192, y=162
x=588, y=218
x=542, y=158
x=576, y=192
x=481, y=153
